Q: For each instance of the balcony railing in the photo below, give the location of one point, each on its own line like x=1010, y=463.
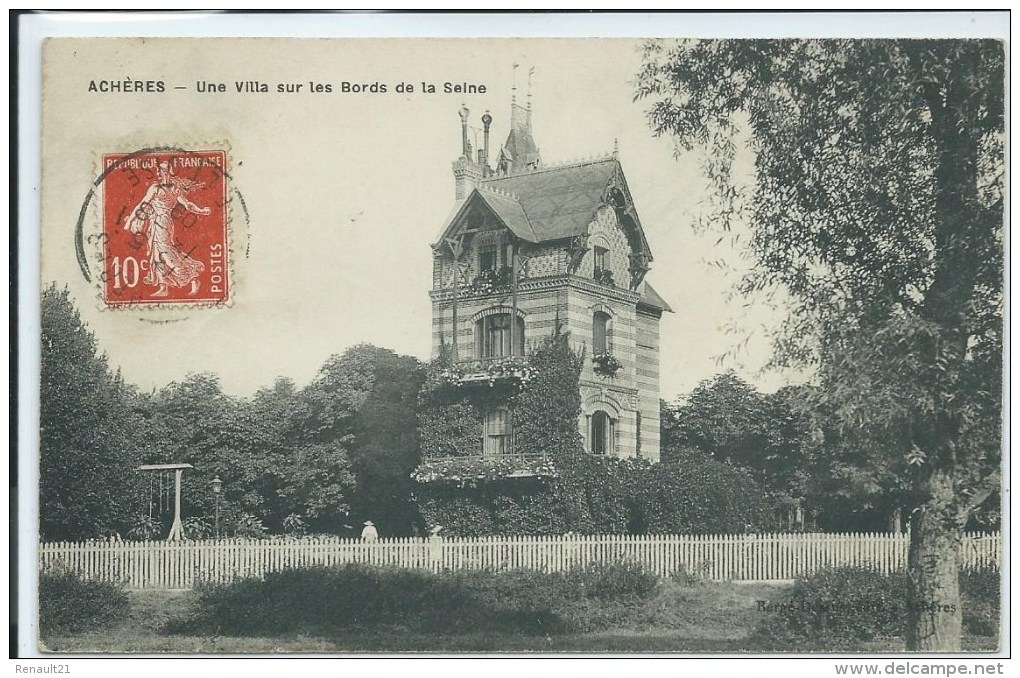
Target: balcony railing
x=474, y=469
x=503, y=370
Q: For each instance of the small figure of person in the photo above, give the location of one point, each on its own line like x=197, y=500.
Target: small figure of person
x=369, y=533
x=168, y=263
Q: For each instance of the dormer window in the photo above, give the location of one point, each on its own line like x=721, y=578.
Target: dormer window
x=602, y=273
x=601, y=260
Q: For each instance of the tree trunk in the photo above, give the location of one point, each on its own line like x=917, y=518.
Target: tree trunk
x=934, y=619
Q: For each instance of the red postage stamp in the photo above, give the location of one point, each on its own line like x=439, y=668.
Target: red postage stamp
x=165, y=228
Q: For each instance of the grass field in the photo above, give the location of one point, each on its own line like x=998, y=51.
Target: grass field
x=705, y=618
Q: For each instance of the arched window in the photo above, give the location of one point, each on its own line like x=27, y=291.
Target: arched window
x=601, y=327
x=492, y=336
x=497, y=433
x=602, y=433
x=601, y=256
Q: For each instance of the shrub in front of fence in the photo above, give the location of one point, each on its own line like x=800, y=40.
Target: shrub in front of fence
x=612, y=581
x=834, y=609
x=356, y=597
x=69, y=603
x=352, y=597
x=980, y=598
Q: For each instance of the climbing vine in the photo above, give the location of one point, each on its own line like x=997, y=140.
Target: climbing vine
x=551, y=485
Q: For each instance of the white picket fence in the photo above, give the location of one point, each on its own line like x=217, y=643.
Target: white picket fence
x=771, y=557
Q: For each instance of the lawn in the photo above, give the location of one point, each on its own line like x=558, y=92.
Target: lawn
x=708, y=617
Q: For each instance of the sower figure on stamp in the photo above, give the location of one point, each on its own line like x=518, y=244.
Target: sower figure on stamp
x=168, y=263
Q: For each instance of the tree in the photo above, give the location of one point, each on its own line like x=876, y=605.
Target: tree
x=732, y=421
x=87, y=430
x=877, y=205
x=365, y=399
x=319, y=485
x=725, y=417
x=695, y=494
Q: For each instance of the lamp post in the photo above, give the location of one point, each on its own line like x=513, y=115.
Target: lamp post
x=217, y=486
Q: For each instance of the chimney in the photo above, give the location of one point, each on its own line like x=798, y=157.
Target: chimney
x=486, y=121
x=465, y=151
x=466, y=171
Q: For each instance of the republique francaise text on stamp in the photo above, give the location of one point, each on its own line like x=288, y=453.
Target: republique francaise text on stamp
x=164, y=221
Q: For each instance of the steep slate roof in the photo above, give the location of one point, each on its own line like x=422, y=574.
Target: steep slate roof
x=649, y=297
x=551, y=203
x=520, y=148
x=559, y=202
x=509, y=210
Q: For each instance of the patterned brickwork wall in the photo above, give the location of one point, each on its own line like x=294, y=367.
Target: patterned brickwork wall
x=540, y=310
x=542, y=262
x=545, y=261
x=647, y=341
x=605, y=231
x=571, y=301
x=617, y=392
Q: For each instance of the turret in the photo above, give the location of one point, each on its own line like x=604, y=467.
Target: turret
x=467, y=171
x=519, y=153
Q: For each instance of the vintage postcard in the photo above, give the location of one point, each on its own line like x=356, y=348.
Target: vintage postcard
x=589, y=345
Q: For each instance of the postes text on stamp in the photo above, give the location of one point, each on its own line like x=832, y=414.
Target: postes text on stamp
x=165, y=228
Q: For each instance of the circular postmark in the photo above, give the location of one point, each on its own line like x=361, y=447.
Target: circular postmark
x=163, y=233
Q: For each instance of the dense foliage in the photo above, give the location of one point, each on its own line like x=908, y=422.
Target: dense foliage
x=318, y=459
x=70, y=604
x=981, y=596
x=840, y=608
x=89, y=430
x=571, y=490
x=836, y=608
x=360, y=598
x=699, y=495
x=876, y=207
x=733, y=422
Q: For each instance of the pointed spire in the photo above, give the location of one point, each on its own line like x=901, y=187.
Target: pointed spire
x=519, y=153
x=513, y=89
x=531, y=71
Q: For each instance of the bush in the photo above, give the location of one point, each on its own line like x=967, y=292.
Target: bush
x=836, y=608
x=698, y=495
x=70, y=604
x=613, y=581
x=358, y=597
x=980, y=597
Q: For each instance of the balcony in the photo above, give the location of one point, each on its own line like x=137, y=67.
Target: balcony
x=490, y=372
x=490, y=281
x=473, y=470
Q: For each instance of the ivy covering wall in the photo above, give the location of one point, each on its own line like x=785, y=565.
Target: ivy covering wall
x=572, y=490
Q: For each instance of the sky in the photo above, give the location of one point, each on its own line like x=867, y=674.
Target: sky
x=344, y=193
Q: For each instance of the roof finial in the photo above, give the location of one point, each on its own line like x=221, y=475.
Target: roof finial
x=531, y=72
x=616, y=147
x=513, y=89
